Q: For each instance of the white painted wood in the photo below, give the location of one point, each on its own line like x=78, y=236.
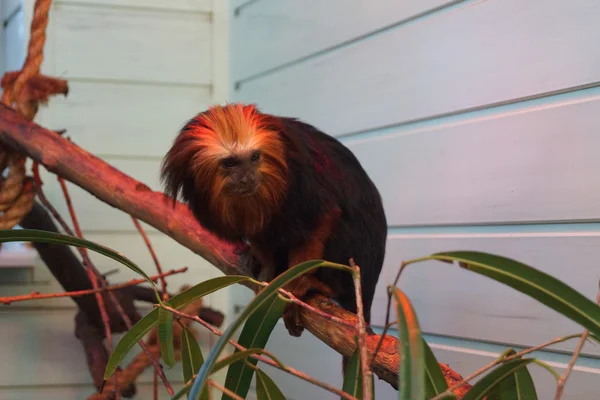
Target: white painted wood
x=580, y=386
x=491, y=167
x=171, y=255
x=311, y=356
x=268, y=34
x=125, y=44
x=43, y=344
x=179, y=5
x=477, y=54
x=125, y=119
x=93, y=214
x=456, y=302
x=76, y=392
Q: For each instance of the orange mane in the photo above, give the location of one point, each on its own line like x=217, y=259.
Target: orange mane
x=220, y=132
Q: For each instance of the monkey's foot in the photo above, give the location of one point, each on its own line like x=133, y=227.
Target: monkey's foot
x=302, y=288
x=292, y=319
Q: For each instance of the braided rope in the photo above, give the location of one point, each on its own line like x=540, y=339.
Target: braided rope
x=26, y=89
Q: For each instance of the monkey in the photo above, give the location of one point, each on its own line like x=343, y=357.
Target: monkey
x=288, y=192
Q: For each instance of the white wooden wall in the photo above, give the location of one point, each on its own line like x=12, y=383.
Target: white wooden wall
x=137, y=70
x=478, y=121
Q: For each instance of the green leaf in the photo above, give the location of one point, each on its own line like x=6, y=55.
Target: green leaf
x=266, y=389
x=517, y=386
x=165, y=336
x=191, y=357
x=353, y=378
x=241, y=355
x=222, y=364
x=489, y=382
x=255, y=334
x=435, y=383
x=263, y=296
x=537, y=284
x=412, y=359
x=191, y=354
x=143, y=326
x=39, y=236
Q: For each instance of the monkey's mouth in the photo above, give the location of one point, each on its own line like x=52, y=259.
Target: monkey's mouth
x=243, y=191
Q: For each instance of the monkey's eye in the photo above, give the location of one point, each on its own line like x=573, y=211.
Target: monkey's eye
x=229, y=162
x=255, y=156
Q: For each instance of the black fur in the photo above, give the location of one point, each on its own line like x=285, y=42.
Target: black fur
x=323, y=175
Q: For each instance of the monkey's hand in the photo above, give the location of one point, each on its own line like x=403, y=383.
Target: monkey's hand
x=302, y=288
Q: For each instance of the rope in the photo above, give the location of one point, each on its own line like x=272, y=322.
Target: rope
x=26, y=89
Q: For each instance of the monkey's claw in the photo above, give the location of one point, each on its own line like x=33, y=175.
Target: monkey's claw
x=292, y=320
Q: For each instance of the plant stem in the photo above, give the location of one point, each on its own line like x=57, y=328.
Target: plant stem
x=362, y=334
x=133, y=282
x=560, y=387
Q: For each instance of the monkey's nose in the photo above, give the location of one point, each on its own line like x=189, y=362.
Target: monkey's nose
x=244, y=180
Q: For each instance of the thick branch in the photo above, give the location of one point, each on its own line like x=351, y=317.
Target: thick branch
x=133, y=197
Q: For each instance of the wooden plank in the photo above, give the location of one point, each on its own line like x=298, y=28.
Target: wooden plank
x=177, y=5
x=304, y=27
x=581, y=385
x=513, y=166
x=43, y=350
x=456, y=302
x=95, y=215
x=125, y=119
x=171, y=255
x=127, y=44
x=476, y=54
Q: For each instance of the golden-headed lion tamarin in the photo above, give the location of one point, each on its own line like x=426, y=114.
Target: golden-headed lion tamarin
x=289, y=191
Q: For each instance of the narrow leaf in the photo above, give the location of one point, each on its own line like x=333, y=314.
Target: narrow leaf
x=435, y=383
x=255, y=334
x=353, y=378
x=191, y=354
x=266, y=389
x=237, y=356
x=143, y=326
x=537, y=284
x=39, y=236
x=412, y=358
x=486, y=384
x=263, y=296
x=517, y=386
x=165, y=336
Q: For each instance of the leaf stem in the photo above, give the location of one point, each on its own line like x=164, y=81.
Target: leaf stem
x=362, y=334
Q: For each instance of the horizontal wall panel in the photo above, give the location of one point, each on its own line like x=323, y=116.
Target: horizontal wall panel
x=456, y=302
x=477, y=54
x=44, y=351
x=125, y=119
x=139, y=45
x=303, y=27
x=526, y=164
x=179, y=5
x=170, y=254
x=93, y=214
x=580, y=386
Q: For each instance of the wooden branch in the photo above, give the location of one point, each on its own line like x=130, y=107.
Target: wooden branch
x=113, y=187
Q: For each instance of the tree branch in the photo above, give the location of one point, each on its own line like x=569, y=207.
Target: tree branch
x=113, y=187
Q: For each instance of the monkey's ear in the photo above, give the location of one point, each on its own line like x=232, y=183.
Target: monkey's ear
x=175, y=168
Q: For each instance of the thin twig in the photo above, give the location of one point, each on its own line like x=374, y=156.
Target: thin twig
x=288, y=296
x=112, y=297
x=223, y=389
x=93, y=277
x=502, y=359
x=387, y=315
x=133, y=282
x=560, y=387
x=153, y=254
x=268, y=361
x=362, y=334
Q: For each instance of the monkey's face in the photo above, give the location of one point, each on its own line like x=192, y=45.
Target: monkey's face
x=241, y=173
